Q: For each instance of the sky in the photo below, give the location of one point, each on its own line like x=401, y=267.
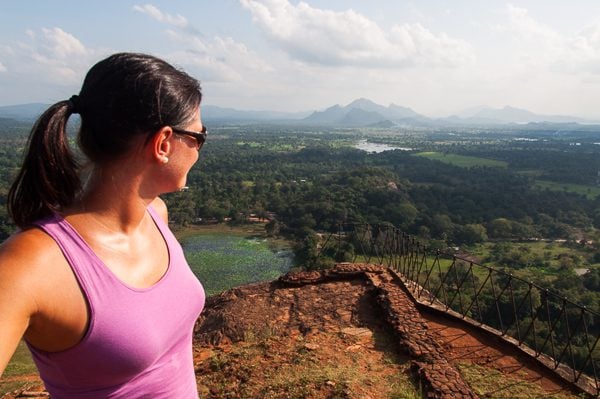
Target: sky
x=437, y=57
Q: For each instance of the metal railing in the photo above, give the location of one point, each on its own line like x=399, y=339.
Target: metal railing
x=560, y=333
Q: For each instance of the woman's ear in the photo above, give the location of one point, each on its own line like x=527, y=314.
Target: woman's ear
x=161, y=144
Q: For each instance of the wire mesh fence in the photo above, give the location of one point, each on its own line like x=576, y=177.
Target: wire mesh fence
x=561, y=333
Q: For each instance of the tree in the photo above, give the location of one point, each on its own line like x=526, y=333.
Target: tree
x=306, y=250
x=591, y=280
x=441, y=226
x=182, y=208
x=273, y=228
x=500, y=228
x=471, y=234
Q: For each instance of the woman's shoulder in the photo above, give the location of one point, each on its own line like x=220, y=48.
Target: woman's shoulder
x=26, y=275
x=27, y=254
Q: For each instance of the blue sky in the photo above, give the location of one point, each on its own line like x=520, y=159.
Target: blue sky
x=437, y=57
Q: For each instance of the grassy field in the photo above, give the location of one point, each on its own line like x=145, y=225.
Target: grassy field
x=224, y=256
x=20, y=364
x=276, y=147
x=550, y=251
x=462, y=161
x=222, y=260
x=589, y=191
x=537, y=247
x=490, y=383
x=254, y=229
x=547, y=260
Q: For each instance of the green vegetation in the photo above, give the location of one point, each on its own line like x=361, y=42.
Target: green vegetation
x=222, y=260
x=489, y=383
x=462, y=161
x=305, y=181
x=482, y=189
x=544, y=254
x=20, y=364
x=590, y=192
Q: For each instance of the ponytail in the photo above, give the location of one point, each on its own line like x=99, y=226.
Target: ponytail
x=123, y=98
x=48, y=180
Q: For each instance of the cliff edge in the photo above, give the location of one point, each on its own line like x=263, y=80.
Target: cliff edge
x=353, y=332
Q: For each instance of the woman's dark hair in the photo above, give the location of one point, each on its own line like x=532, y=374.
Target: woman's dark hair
x=124, y=96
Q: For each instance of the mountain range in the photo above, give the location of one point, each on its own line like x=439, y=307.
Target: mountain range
x=359, y=113
x=23, y=112
x=363, y=112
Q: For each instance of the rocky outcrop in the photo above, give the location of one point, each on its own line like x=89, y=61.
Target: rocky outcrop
x=439, y=377
x=330, y=300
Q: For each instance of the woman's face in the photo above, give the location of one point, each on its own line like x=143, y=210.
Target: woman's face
x=185, y=152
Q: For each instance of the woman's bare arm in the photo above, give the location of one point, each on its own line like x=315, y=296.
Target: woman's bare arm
x=17, y=291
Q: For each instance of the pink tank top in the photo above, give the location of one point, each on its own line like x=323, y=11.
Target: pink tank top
x=139, y=341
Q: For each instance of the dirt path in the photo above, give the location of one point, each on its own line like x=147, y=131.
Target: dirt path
x=463, y=344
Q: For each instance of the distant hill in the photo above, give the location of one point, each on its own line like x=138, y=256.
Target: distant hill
x=10, y=128
x=487, y=115
x=213, y=112
x=365, y=113
x=361, y=112
x=23, y=112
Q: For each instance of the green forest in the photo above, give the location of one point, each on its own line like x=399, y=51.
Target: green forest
x=524, y=200
x=495, y=192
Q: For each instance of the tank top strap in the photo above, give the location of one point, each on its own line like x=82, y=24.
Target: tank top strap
x=85, y=264
x=92, y=274
x=162, y=226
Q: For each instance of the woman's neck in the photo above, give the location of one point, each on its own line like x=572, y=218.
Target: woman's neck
x=113, y=198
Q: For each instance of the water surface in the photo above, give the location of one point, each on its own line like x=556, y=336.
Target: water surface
x=377, y=147
x=222, y=261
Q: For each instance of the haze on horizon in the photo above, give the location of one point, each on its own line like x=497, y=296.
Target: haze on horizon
x=286, y=55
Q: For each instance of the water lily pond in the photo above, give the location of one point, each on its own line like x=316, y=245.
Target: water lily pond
x=222, y=261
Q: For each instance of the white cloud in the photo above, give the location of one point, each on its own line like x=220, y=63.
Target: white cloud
x=59, y=44
x=220, y=60
x=222, y=51
x=234, y=74
x=2, y=67
x=544, y=68
x=582, y=51
x=175, y=20
x=216, y=59
x=211, y=60
x=348, y=38
x=528, y=28
x=546, y=49
x=58, y=56
x=44, y=65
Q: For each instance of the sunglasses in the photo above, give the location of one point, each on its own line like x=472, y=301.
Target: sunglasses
x=200, y=136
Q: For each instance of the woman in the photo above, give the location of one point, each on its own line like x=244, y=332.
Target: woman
x=94, y=281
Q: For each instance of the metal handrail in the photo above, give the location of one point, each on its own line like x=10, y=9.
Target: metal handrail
x=563, y=333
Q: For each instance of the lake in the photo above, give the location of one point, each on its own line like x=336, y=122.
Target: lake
x=377, y=147
x=222, y=261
